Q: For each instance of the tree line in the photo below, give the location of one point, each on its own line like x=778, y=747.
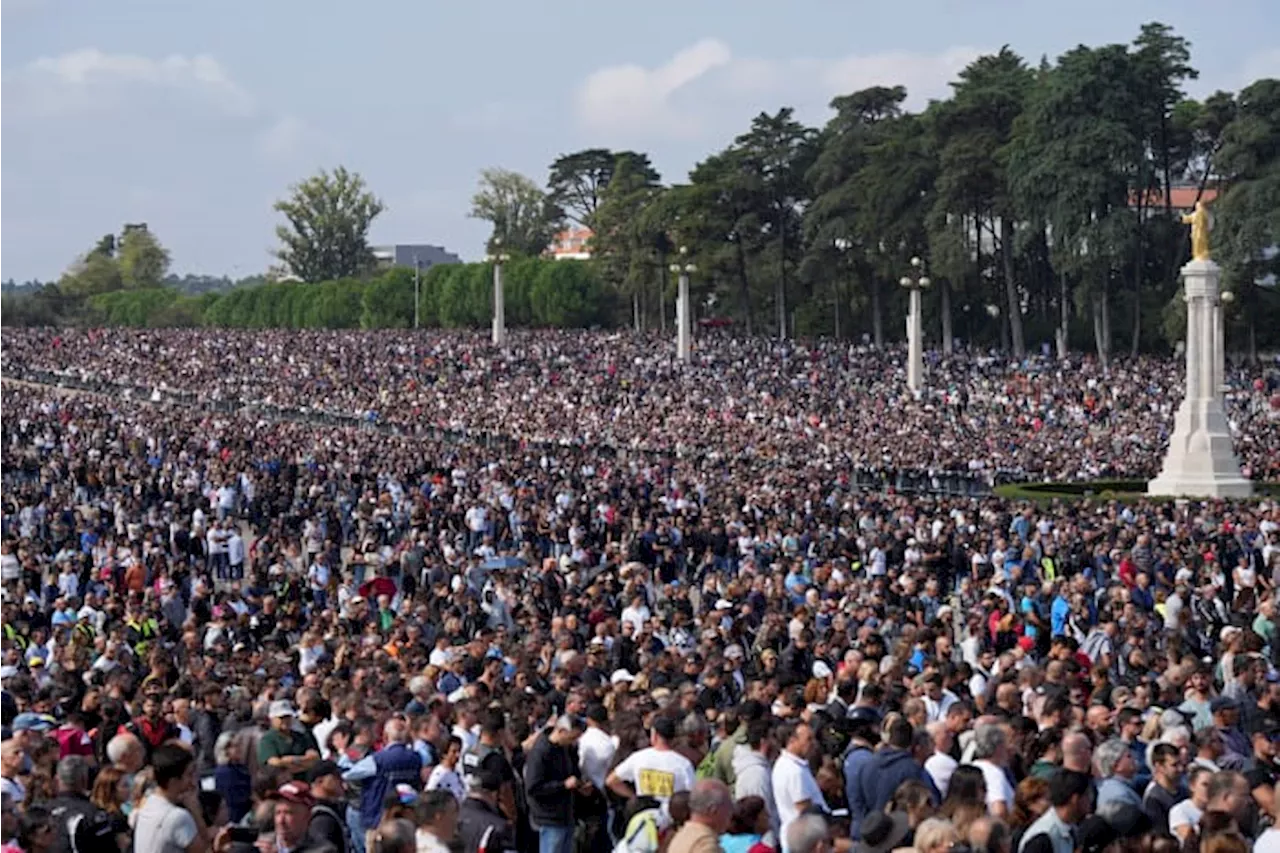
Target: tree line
x=540, y=292
x=1040, y=198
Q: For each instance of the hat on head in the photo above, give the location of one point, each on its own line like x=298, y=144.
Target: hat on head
x=621, y=676
x=944, y=611
x=733, y=652
x=1228, y=631
x=33, y=722
x=406, y=794
x=821, y=670
x=1223, y=703
x=321, y=769
x=294, y=792
x=485, y=780
x=883, y=832
x=864, y=716
x=724, y=604
x=281, y=708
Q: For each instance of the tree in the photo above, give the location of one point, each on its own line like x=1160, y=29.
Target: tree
x=777, y=152
x=1070, y=165
x=1159, y=65
x=629, y=227
x=524, y=218
x=1248, y=213
x=837, y=211
x=91, y=274
x=143, y=261
x=973, y=131
x=327, y=235
x=578, y=181
x=105, y=247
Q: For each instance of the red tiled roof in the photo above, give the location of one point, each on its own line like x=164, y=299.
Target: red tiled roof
x=1183, y=198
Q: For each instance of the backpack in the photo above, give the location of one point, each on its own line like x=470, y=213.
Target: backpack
x=347, y=840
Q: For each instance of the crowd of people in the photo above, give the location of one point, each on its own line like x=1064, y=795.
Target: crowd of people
x=659, y=616
x=806, y=406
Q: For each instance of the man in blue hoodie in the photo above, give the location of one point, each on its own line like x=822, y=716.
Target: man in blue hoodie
x=862, y=725
x=901, y=760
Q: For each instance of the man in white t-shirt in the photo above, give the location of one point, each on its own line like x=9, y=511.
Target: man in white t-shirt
x=596, y=747
x=657, y=772
x=941, y=765
x=318, y=576
x=795, y=790
x=990, y=755
x=170, y=818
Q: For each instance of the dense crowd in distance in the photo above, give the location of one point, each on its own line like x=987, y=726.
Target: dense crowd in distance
x=336, y=592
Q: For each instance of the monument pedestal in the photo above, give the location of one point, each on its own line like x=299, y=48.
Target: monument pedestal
x=1201, y=461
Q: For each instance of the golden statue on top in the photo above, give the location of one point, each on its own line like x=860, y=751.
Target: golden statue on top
x=1201, y=222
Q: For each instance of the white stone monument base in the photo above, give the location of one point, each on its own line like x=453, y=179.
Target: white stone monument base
x=1201, y=462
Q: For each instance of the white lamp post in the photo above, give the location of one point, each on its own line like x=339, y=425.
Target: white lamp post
x=843, y=245
x=499, y=300
x=915, y=283
x=684, y=318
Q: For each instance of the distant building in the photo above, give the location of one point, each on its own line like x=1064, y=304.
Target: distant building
x=413, y=254
x=571, y=244
x=1182, y=198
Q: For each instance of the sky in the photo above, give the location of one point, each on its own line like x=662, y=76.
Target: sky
x=194, y=117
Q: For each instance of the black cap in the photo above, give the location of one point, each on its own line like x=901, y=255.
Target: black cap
x=321, y=769
x=485, y=779
x=864, y=716
x=94, y=834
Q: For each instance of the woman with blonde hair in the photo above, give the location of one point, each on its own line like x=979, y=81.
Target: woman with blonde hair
x=914, y=799
x=936, y=835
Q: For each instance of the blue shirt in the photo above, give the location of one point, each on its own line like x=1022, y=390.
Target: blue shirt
x=1059, y=614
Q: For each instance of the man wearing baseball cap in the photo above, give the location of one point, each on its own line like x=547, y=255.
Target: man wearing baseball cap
x=327, y=824
x=482, y=828
x=283, y=746
x=294, y=802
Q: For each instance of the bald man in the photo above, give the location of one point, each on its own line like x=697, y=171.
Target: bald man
x=1077, y=752
x=710, y=813
x=11, y=757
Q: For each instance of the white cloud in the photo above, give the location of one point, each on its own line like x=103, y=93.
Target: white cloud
x=284, y=137
x=92, y=80
x=706, y=90
x=626, y=97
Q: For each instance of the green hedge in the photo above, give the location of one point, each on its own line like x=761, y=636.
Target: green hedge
x=1104, y=490
x=539, y=293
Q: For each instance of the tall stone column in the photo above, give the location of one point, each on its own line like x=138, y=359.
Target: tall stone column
x=499, y=307
x=684, y=319
x=1201, y=461
x=915, y=343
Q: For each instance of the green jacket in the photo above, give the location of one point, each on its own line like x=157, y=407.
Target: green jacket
x=721, y=764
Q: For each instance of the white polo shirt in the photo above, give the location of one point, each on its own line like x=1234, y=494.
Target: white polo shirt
x=793, y=783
